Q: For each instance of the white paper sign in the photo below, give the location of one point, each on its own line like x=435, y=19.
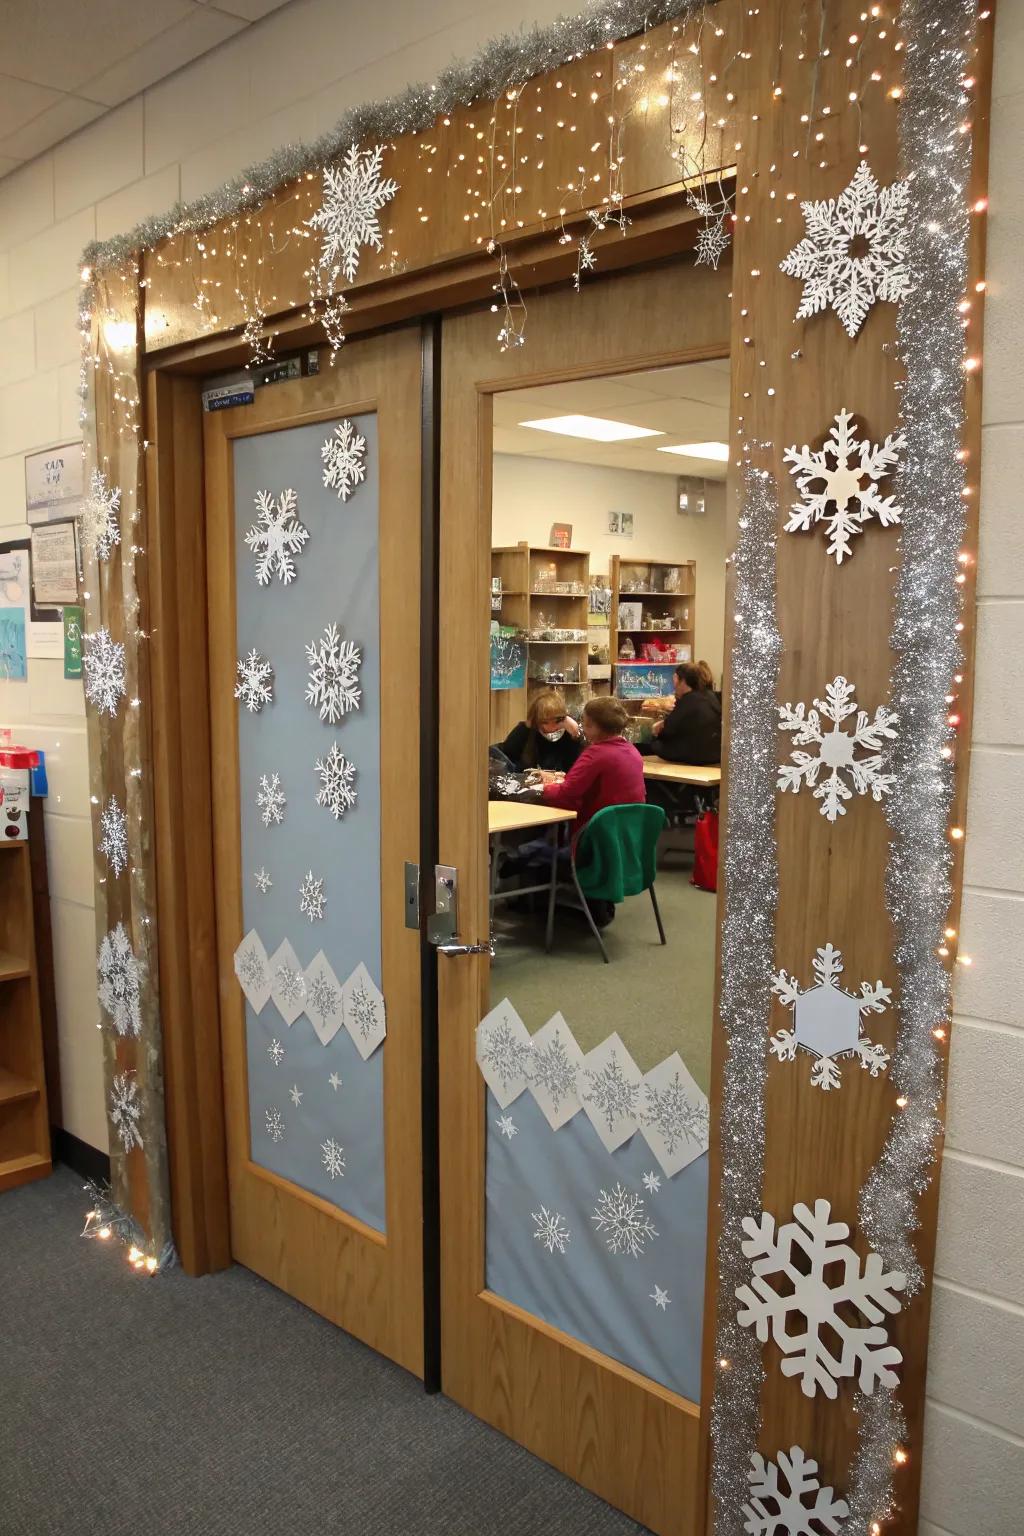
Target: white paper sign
x=54, y=483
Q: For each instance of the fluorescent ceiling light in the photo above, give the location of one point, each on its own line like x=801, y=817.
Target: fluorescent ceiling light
x=593, y=427
x=719, y=451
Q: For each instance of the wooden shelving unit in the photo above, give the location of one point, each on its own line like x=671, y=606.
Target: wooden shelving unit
x=643, y=582
x=24, y=1128
x=530, y=576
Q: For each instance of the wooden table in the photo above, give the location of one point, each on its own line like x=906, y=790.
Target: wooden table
x=683, y=773
x=518, y=816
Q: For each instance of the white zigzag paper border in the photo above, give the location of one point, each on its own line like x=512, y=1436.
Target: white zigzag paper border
x=357, y=1002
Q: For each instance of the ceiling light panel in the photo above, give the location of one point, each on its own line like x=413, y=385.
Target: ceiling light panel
x=716, y=451
x=595, y=428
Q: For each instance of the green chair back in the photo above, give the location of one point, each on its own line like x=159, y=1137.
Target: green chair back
x=616, y=853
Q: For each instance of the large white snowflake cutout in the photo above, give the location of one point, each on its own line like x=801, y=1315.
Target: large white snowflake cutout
x=255, y=686
x=276, y=536
x=312, y=900
x=101, y=523
x=119, y=981
x=270, y=799
x=837, y=749
x=338, y=782
x=620, y=1217
x=775, y=1510
x=103, y=662
x=822, y=1287
x=125, y=1110
x=854, y=251
x=113, y=842
x=344, y=458
x=847, y=472
x=610, y=1084
x=551, y=1231
x=333, y=675
x=827, y=1020
x=354, y=192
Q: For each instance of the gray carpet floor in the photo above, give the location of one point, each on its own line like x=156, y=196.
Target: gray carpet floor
x=220, y=1407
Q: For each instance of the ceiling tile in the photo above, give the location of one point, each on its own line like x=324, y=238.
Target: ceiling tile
x=249, y=10
x=186, y=40
x=63, y=45
x=66, y=116
x=7, y=165
x=20, y=101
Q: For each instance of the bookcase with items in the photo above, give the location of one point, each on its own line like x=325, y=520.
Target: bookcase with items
x=652, y=625
x=24, y=1126
x=539, y=602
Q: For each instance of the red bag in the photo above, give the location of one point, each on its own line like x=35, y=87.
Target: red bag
x=705, y=852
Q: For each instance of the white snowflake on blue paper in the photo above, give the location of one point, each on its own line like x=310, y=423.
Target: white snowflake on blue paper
x=507, y=1126
x=333, y=686
x=311, y=898
x=622, y=1220
x=661, y=1298
x=255, y=686
x=344, y=459
x=270, y=799
x=333, y=1158
x=275, y=1050
x=354, y=192
x=338, y=782
x=263, y=880
x=551, y=1231
x=276, y=536
x=275, y=1124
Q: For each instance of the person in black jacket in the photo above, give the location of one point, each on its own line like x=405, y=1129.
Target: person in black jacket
x=548, y=739
x=692, y=732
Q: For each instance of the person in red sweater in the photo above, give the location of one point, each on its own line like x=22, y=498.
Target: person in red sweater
x=610, y=771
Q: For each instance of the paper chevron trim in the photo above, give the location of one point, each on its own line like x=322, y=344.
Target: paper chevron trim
x=316, y=992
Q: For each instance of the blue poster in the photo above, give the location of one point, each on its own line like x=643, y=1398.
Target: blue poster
x=508, y=662
x=13, y=664
x=643, y=679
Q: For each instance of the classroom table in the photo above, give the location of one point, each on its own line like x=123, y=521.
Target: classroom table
x=518, y=816
x=683, y=773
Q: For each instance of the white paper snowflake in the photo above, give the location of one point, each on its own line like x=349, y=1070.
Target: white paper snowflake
x=275, y=1050
x=620, y=1216
x=822, y=1287
x=114, y=841
x=837, y=749
x=552, y=1232
x=276, y=536
x=712, y=244
x=507, y=1126
x=338, y=780
x=311, y=898
x=662, y=1300
x=101, y=521
x=103, y=663
x=335, y=1081
x=295, y=1094
x=354, y=192
x=333, y=1158
x=847, y=472
x=125, y=1110
x=828, y=1020
x=270, y=798
x=119, y=981
x=344, y=459
x=333, y=675
x=854, y=251
x=255, y=686
x=652, y=1182
x=777, y=1511
x=275, y=1124
x=263, y=880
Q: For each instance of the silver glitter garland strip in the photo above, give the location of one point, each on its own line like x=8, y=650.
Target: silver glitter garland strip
x=512, y=59
x=750, y=867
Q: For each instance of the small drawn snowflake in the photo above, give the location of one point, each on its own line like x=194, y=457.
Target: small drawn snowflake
x=276, y=536
x=333, y=675
x=661, y=1298
x=354, y=192
x=621, y=1217
x=672, y=1112
x=275, y=1050
x=335, y=1081
x=828, y=1020
x=101, y=523
x=311, y=898
x=507, y=1126
x=344, y=459
x=270, y=799
x=255, y=686
x=119, y=981
x=552, y=1068
x=837, y=749
x=252, y=973
x=263, y=880
x=652, y=1182
x=506, y=1054
x=773, y=1508
x=552, y=1231
x=333, y=1158
x=275, y=1124
x=291, y=984
x=125, y=1110
x=103, y=663
x=322, y=997
x=337, y=776
x=840, y=467
x=611, y=1092
x=114, y=842
x=295, y=1094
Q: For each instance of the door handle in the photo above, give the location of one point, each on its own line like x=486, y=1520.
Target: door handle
x=467, y=949
x=443, y=924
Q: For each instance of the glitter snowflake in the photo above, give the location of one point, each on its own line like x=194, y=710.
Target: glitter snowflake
x=251, y=969
x=263, y=880
x=712, y=243
x=333, y=675
x=855, y=250
x=125, y=1110
x=774, y=1509
x=101, y=522
x=311, y=898
x=507, y=1126
x=119, y=981
x=552, y=1231
x=841, y=467
x=114, y=841
x=333, y=1158
x=295, y=1094
x=354, y=192
x=505, y=1053
x=322, y=997
x=652, y=1182
x=338, y=781
x=335, y=1081
x=255, y=686
x=275, y=1124
x=363, y=1009
x=276, y=536
x=674, y=1114
x=270, y=798
x=662, y=1300
x=103, y=663
x=275, y=1050
x=621, y=1217
x=344, y=458
x=291, y=984
x=609, y=1091
x=823, y=1286
x=837, y=749
x=827, y=1020
x=553, y=1069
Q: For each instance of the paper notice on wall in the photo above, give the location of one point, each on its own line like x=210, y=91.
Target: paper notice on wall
x=14, y=597
x=54, y=566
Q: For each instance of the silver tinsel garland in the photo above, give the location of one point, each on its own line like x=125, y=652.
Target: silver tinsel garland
x=750, y=872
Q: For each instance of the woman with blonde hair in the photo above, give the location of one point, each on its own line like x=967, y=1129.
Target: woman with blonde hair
x=548, y=739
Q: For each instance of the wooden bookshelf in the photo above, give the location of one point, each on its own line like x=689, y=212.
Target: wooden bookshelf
x=24, y=1127
x=668, y=616
x=531, y=576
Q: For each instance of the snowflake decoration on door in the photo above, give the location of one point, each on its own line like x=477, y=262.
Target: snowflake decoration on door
x=610, y=1092
x=255, y=686
x=552, y=1232
x=845, y=502
x=338, y=781
x=275, y=1124
x=344, y=458
x=333, y=675
x=553, y=1069
x=773, y=1509
x=505, y=1055
x=677, y=1116
x=812, y=1311
x=104, y=672
x=270, y=799
x=311, y=898
x=827, y=1020
x=333, y=1158
x=290, y=984
x=837, y=749
x=620, y=1216
x=101, y=522
x=251, y=968
x=855, y=250
x=507, y=1126
x=354, y=192
x=113, y=843
x=263, y=880
x=276, y=536
x=125, y=1110
x=275, y=1050
x=119, y=981
x=322, y=997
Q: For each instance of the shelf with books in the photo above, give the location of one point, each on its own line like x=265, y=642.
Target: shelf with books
x=653, y=617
